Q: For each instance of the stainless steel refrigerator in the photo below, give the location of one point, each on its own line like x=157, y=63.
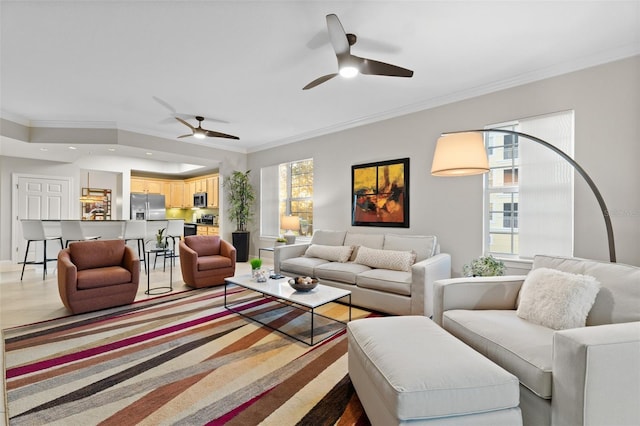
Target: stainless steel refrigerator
x=147, y=206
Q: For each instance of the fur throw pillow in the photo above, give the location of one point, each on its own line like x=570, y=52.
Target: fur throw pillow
x=557, y=299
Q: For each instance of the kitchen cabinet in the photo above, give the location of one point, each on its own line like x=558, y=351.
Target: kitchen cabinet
x=148, y=186
x=199, y=185
x=166, y=191
x=177, y=194
x=189, y=190
x=213, y=192
x=208, y=230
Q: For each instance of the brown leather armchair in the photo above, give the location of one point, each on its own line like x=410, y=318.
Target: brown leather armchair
x=94, y=275
x=206, y=260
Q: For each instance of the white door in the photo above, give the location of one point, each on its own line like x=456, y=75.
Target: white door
x=38, y=197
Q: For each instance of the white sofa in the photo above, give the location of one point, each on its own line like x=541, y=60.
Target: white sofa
x=579, y=376
x=382, y=288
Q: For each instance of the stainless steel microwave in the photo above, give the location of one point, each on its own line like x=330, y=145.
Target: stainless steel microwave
x=200, y=199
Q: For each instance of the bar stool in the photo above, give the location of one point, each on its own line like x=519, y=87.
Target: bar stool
x=72, y=231
x=137, y=230
x=33, y=230
x=175, y=229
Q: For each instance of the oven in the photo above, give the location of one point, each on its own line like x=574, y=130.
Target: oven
x=190, y=229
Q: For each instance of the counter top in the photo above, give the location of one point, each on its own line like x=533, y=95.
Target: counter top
x=201, y=224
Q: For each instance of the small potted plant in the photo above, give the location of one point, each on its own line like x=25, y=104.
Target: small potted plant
x=255, y=266
x=484, y=266
x=280, y=241
x=160, y=241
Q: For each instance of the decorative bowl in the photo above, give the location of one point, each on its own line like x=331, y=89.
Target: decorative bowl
x=303, y=283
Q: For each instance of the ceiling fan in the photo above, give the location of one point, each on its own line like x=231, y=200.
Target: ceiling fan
x=200, y=133
x=350, y=65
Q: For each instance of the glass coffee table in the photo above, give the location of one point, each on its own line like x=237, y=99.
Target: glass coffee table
x=321, y=327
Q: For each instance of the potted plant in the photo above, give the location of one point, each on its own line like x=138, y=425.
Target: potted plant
x=484, y=266
x=255, y=266
x=160, y=241
x=280, y=241
x=241, y=197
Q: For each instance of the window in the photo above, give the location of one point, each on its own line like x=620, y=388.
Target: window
x=510, y=215
x=529, y=189
x=286, y=190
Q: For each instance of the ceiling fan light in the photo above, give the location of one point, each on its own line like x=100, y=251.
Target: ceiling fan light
x=198, y=135
x=348, y=71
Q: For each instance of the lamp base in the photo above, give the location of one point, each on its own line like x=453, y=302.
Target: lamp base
x=291, y=239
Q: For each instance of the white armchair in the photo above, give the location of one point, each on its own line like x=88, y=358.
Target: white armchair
x=580, y=376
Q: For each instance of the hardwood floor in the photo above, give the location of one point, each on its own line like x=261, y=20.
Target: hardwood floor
x=34, y=299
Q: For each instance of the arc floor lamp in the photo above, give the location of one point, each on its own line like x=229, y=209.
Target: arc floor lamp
x=463, y=153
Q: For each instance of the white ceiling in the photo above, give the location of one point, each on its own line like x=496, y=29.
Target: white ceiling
x=133, y=65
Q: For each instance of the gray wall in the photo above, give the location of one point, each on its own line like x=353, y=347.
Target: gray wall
x=606, y=100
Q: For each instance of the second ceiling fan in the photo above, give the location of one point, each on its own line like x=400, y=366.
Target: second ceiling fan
x=350, y=65
x=200, y=133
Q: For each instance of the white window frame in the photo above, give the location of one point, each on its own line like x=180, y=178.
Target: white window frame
x=271, y=199
x=540, y=236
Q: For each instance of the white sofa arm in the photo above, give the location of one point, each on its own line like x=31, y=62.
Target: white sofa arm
x=423, y=275
x=285, y=252
x=475, y=293
x=596, y=375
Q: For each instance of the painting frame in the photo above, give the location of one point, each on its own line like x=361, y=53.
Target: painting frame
x=380, y=194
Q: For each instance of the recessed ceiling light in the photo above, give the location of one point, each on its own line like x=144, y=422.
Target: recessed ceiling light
x=111, y=149
x=44, y=149
x=149, y=153
x=72, y=147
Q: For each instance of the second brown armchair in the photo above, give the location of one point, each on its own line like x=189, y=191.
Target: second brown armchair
x=206, y=260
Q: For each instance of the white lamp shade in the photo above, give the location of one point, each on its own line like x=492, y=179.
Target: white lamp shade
x=460, y=154
x=290, y=223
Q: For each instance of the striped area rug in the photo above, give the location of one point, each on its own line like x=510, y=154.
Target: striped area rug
x=180, y=359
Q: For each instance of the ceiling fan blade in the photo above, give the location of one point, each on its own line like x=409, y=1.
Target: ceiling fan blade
x=337, y=35
x=164, y=104
x=319, y=80
x=185, y=123
x=185, y=136
x=212, y=134
x=371, y=67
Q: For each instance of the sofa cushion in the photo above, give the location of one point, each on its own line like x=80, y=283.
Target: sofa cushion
x=385, y=259
x=206, y=263
x=521, y=347
x=557, y=299
x=424, y=246
x=301, y=265
x=619, y=295
x=328, y=238
x=96, y=254
x=374, y=241
x=341, y=272
x=102, y=277
x=385, y=280
x=332, y=253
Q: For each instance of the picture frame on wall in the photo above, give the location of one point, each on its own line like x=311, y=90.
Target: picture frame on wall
x=380, y=194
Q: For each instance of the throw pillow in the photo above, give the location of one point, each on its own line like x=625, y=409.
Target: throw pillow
x=385, y=259
x=557, y=299
x=331, y=253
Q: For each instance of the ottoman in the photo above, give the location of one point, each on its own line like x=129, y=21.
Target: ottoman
x=408, y=370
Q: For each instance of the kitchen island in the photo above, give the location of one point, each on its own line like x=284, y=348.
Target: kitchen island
x=105, y=229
